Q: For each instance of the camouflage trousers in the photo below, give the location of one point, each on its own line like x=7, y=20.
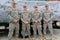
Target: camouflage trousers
x=13, y=26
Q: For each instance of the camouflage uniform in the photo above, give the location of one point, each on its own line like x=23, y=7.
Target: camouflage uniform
x=25, y=16
x=13, y=16
x=48, y=15
x=37, y=16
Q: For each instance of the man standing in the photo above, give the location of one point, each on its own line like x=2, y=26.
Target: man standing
x=36, y=18
x=25, y=17
x=14, y=21
x=48, y=15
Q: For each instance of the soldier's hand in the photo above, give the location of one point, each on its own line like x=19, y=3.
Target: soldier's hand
x=26, y=22
x=36, y=21
x=15, y=21
x=46, y=21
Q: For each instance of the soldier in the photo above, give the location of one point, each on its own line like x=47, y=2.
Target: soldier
x=25, y=17
x=14, y=21
x=48, y=15
x=36, y=18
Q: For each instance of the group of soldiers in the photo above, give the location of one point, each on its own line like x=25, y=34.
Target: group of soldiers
x=25, y=16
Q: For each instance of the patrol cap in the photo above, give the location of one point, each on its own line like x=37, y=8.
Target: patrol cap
x=13, y=2
x=46, y=5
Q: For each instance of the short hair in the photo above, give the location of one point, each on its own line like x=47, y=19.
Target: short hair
x=46, y=5
x=24, y=6
x=35, y=6
x=14, y=3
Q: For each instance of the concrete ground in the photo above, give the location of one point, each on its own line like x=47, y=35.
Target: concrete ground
x=56, y=36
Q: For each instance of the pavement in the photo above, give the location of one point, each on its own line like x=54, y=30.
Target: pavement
x=56, y=36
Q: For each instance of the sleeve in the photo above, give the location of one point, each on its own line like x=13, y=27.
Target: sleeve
x=22, y=17
x=32, y=16
x=10, y=18
x=19, y=13
x=52, y=15
x=43, y=15
x=29, y=15
x=9, y=15
x=40, y=16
